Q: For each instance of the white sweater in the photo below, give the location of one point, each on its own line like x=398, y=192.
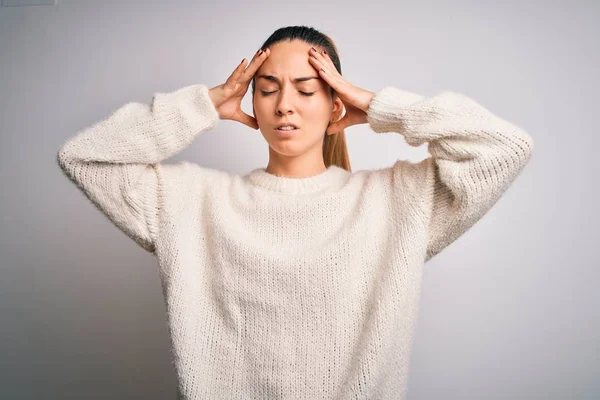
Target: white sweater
x=294, y=288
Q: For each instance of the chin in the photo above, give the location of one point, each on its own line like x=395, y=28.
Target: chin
x=288, y=147
x=293, y=147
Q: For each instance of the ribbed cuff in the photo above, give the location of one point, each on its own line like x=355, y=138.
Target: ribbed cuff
x=202, y=110
x=384, y=109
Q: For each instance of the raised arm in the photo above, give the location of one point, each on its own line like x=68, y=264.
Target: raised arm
x=116, y=162
x=475, y=156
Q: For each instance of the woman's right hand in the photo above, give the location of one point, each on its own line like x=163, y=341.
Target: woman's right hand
x=228, y=96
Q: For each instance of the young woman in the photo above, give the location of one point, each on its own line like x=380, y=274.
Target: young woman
x=301, y=279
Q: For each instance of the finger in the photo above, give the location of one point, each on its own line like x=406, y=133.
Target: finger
x=323, y=53
x=237, y=72
x=246, y=119
x=325, y=60
x=255, y=64
x=326, y=73
x=325, y=63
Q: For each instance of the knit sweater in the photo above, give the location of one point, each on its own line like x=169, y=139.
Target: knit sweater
x=294, y=288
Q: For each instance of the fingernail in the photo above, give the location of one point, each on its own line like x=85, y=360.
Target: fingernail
x=260, y=52
x=313, y=49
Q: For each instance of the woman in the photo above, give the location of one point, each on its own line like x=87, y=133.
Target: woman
x=301, y=279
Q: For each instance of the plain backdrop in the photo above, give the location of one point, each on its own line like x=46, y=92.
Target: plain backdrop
x=508, y=311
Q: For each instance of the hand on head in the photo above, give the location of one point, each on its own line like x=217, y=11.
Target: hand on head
x=228, y=96
x=356, y=100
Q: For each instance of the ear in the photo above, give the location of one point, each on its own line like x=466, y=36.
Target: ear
x=338, y=109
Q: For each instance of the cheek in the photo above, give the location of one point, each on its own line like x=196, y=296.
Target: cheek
x=260, y=106
x=317, y=112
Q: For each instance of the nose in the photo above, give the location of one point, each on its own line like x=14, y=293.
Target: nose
x=284, y=104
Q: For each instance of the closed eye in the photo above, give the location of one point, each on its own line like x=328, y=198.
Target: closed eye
x=303, y=93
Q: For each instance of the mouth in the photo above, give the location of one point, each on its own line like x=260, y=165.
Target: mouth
x=286, y=127
x=288, y=132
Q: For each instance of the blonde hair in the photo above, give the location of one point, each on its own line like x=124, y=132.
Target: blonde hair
x=335, y=150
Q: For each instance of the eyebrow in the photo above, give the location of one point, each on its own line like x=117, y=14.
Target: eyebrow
x=296, y=80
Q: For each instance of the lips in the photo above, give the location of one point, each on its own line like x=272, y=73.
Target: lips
x=286, y=133
x=287, y=124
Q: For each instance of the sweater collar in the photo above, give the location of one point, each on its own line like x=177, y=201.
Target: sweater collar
x=333, y=177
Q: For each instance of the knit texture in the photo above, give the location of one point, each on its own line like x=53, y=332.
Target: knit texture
x=294, y=288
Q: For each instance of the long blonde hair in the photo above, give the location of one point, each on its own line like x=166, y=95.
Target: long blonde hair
x=335, y=151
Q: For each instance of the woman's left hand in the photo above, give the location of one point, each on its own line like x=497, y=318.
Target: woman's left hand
x=356, y=100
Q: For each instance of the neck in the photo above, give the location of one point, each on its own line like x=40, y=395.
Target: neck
x=303, y=166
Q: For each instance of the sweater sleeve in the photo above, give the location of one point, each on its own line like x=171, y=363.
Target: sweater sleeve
x=116, y=162
x=475, y=156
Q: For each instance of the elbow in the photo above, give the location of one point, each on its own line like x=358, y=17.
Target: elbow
x=527, y=145
x=65, y=160
x=520, y=146
x=62, y=161
x=62, y=158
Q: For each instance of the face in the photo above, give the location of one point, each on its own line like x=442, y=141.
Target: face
x=279, y=98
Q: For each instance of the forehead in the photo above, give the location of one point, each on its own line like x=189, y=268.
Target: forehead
x=288, y=60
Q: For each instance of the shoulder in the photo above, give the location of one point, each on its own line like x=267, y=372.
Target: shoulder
x=406, y=175
x=185, y=182
x=407, y=183
x=186, y=173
